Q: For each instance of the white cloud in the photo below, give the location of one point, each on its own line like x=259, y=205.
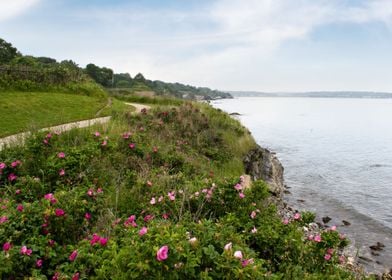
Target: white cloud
x=13, y=8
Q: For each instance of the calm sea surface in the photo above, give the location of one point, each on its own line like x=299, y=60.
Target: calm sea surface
x=337, y=155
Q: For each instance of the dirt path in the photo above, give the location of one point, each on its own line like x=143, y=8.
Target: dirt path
x=20, y=137
x=138, y=106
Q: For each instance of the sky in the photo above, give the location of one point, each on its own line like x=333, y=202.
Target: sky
x=249, y=45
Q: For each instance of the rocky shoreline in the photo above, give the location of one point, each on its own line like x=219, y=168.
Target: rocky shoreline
x=260, y=163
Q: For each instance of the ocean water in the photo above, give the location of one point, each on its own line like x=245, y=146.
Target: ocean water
x=337, y=154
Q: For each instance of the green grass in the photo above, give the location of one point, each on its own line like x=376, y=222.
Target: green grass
x=21, y=111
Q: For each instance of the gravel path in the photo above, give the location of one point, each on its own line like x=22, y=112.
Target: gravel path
x=20, y=137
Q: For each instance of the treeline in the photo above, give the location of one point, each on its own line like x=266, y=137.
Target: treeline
x=25, y=72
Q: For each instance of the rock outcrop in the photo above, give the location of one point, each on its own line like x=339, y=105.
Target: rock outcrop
x=260, y=163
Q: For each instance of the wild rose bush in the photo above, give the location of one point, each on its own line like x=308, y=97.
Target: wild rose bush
x=156, y=195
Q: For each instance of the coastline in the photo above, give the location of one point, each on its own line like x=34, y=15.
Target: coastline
x=364, y=232
x=261, y=163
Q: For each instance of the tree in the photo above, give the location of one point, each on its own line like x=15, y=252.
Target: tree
x=7, y=52
x=103, y=76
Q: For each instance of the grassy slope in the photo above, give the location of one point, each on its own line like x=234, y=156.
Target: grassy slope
x=20, y=111
x=196, y=147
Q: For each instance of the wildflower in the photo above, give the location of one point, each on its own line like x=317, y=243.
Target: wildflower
x=327, y=257
x=246, y=262
x=317, y=238
x=97, y=134
x=241, y=195
x=90, y=192
x=242, y=178
x=254, y=230
x=285, y=221
x=87, y=216
x=76, y=276
x=7, y=246
x=160, y=198
x=193, y=240
x=165, y=216
x=99, y=190
x=149, y=183
x=12, y=177
x=51, y=242
x=95, y=239
x=56, y=276
x=25, y=251
x=103, y=241
x=61, y=155
x=73, y=255
x=130, y=221
x=50, y=197
x=18, y=191
x=38, y=263
x=171, y=195
x=45, y=141
x=197, y=194
x=162, y=253
x=238, y=187
x=152, y=201
x=59, y=212
x=342, y=259
x=253, y=214
x=238, y=255
x=310, y=237
x=132, y=146
x=228, y=246
x=49, y=135
x=62, y=172
x=104, y=143
x=19, y=208
x=204, y=190
x=2, y=165
x=126, y=135
x=148, y=218
x=330, y=251
x=333, y=228
x=297, y=216
x=15, y=163
x=342, y=236
x=143, y=231
x=3, y=219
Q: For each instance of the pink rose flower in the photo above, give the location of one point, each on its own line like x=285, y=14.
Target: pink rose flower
x=238, y=255
x=162, y=253
x=297, y=216
x=242, y=195
x=61, y=155
x=73, y=255
x=39, y=263
x=327, y=257
x=97, y=134
x=12, y=177
x=19, y=208
x=247, y=262
x=76, y=276
x=132, y=146
x=153, y=201
x=3, y=219
x=103, y=241
x=317, y=238
x=25, y=251
x=254, y=230
x=7, y=246
x=15, y=163
x=143, y=231
x=59, y=212
x=2, y=165
x=228, y=246
x=62, y=172
x=253, y=214
x=95, y=239
x=87, y=216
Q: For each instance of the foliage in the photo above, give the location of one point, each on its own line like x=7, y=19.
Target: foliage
x=155, y=196
x=7, y=52
x=102, y=76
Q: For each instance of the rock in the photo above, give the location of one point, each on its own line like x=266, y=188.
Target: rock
x=301, y=200
x=235, y=114
x=286, y=192
x=326, y=219
x=260, y=163
x=346, y=223
x=378, y=247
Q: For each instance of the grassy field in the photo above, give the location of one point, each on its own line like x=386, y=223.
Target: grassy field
x=21, y=111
